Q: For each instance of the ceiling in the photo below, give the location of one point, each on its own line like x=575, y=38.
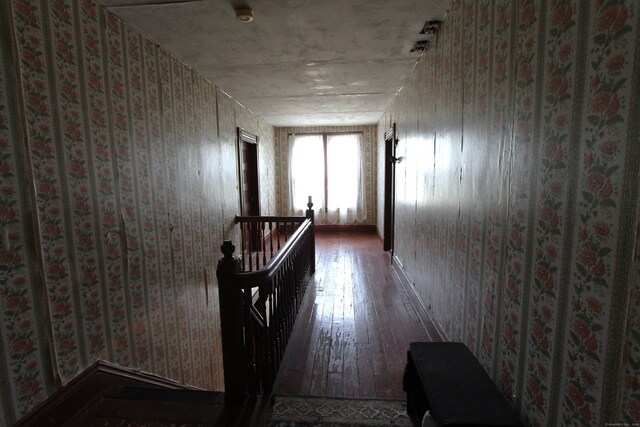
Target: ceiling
x=300, y=62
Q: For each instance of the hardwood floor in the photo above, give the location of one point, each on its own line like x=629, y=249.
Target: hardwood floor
x=355, y=325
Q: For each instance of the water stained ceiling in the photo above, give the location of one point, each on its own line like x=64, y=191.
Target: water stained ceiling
x=300, y=62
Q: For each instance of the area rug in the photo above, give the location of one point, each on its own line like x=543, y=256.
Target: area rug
x=307, y=411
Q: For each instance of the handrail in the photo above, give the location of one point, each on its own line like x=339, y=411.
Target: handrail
x=249, y=218
x=253, y=279
x=255, y=326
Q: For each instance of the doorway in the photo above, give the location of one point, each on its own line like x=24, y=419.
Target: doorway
x=390, y=143
x=249, y=185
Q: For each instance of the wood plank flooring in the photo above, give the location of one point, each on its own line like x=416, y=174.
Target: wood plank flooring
x=355, y=324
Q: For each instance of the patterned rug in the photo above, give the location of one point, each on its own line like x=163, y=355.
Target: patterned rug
x=307, y=411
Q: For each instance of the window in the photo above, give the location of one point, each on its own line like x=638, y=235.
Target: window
x=329, y=168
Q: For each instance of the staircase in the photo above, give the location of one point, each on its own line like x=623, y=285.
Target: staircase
x=124, y=406
x=107, y=395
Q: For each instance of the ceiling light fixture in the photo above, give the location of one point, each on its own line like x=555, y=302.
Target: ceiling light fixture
x=244, y=15
x=430, y=27
x=420, y=46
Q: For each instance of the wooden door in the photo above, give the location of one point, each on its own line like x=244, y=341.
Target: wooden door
x=390, y=143
x=249, y=183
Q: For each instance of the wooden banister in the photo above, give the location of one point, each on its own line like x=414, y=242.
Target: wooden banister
x=249, y=218
x=253, y=279
x=260, y=235
x=231, y=322
x=256, y=325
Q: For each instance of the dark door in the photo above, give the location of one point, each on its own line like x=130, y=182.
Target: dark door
x=249, y=185
x=389, y=187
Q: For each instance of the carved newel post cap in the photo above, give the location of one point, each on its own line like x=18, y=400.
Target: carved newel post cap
x=310, y=205
x=227, y=249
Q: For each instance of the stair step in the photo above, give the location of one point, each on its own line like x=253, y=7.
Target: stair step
x=124, y=406
x=163, y=394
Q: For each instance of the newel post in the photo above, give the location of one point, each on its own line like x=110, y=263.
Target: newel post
x=311, y=216
x=230, y=298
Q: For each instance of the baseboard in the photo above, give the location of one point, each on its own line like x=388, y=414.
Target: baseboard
x=330, y=228
x=64, y=404
x=431, y=326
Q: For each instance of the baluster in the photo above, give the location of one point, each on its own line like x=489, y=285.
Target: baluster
x=270, y=240
x=302, y=268
x=253, y=243
x=249, y=238
x=280, y=315
x=285, y=314
x=267, y=382
x=285, y=305
x=250, y=366
x=254, y=238
x=296, y=283
x=264, y=249
x=292, y=297
x=242, y=237
x=265, y=352
x=271, y=329
x=257, y=232
x=276, y=320
x=257, y=260
x=285, y=318
x=291, y=301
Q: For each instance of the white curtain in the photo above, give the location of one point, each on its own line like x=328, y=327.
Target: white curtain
x=345, y=202
x=345, y=183
x=306, y=173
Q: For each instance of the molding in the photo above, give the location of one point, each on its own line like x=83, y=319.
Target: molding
x=430, y=325
x=330, y=228
x=63, y=405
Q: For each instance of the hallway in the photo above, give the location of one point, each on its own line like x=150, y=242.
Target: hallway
x=355, y=324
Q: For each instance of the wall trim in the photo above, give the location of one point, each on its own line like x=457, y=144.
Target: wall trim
x=435, y=333
x=337, y=228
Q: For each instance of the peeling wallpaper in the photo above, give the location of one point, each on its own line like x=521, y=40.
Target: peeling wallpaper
x=369, y=135
x=119, y=183
x=517, y=201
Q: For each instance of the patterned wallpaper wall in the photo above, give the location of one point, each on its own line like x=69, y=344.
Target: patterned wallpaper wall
x=517, y=202
x=369, y=135
x=119, y=183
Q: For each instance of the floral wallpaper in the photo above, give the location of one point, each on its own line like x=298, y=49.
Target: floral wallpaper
x=517, y=203
x=116, y=162
x=26, y=376
x=369, y=134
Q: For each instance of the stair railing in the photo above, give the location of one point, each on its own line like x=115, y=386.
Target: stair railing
x=262, y=236
x=259, y=305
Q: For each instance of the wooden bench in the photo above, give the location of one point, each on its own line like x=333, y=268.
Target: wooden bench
x=446, y=379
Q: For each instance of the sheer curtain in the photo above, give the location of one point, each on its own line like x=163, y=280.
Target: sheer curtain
x=345, y=181
x=306, y=172
x=345, y=202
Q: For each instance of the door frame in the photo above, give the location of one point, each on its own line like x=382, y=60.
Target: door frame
x=390, y=144
x=250, y=235
x=245, y=137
